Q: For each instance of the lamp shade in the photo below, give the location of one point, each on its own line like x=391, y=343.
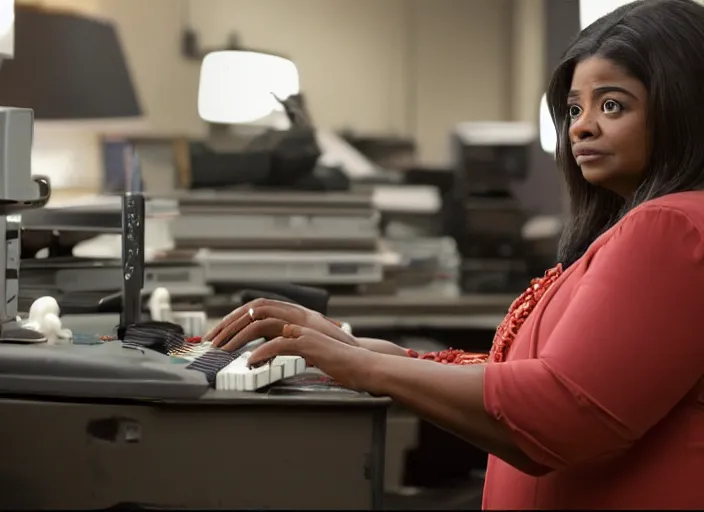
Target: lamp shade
x=67, y=66
x=239, y=86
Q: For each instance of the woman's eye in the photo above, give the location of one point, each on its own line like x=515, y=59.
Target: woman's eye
x=574, y=111
x=611, y=107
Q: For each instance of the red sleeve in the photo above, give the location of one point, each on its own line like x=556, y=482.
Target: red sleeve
x=628, y=348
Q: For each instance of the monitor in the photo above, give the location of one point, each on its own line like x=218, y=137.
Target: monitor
x=487, y=156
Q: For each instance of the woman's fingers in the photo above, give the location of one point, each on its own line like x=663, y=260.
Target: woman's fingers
x=267, y=328
x=293, y=331
x=290, y=343
x=277, y=347
x=234, y=326
x=343, y=363
x=226, y=321
x=251, y=316
x=242, y=313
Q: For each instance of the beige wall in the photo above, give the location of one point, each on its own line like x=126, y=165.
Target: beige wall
x=349, y=53
x=166, y=82
x=150, y=30
x=463, y=68
x=528, y=59
x=392, y=67
x=403, y=67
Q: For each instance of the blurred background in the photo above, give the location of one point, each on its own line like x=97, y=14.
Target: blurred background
x=403, y=71
x=407, y=169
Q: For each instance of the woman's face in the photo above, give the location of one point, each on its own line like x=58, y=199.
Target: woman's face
x=607, y=111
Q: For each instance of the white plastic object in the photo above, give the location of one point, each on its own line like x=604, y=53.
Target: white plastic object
x=44, y=318
x=193, y=322
x=160, y=305
x=160, y=310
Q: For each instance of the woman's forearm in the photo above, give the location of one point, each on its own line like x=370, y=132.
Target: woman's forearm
x=452, y=398
x=381, y=347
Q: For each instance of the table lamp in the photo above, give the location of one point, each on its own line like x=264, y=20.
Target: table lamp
x=71, y=70
x=238, y=87
x=67, y=66
x=589, y=12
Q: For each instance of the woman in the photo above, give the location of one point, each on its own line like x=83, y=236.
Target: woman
x=593, y=395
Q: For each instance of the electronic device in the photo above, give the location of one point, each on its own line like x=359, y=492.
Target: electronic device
x=275, y=220
x=483, y=214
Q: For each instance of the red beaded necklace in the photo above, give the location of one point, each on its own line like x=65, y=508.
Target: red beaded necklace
x=508, y=329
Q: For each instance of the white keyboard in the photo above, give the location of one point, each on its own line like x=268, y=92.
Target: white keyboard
x=237, y=376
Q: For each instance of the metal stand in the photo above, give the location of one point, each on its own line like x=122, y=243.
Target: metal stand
x=133, y=219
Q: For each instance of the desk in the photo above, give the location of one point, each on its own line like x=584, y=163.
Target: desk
x=226, y=450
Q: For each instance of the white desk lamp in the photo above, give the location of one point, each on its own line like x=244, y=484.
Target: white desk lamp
x=589, y=12
x=238, y=87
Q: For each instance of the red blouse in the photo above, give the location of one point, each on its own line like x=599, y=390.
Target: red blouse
x=603, y=384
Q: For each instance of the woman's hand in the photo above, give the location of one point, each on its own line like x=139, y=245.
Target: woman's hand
x=348, y=365
x=267, y=318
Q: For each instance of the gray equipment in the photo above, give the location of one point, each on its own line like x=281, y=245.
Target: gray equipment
x=105, y=371
x=484, y=214
x=75, y=275
x=276, y=220
x=18, y=192
x=85, y=285
x=311, y=268
x=243, y=237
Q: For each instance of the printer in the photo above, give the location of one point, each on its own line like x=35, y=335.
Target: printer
x=483, y=213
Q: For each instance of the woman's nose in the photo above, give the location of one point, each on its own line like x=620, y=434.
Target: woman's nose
x=584, y=127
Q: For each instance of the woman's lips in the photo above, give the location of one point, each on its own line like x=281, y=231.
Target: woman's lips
x=588, y=158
